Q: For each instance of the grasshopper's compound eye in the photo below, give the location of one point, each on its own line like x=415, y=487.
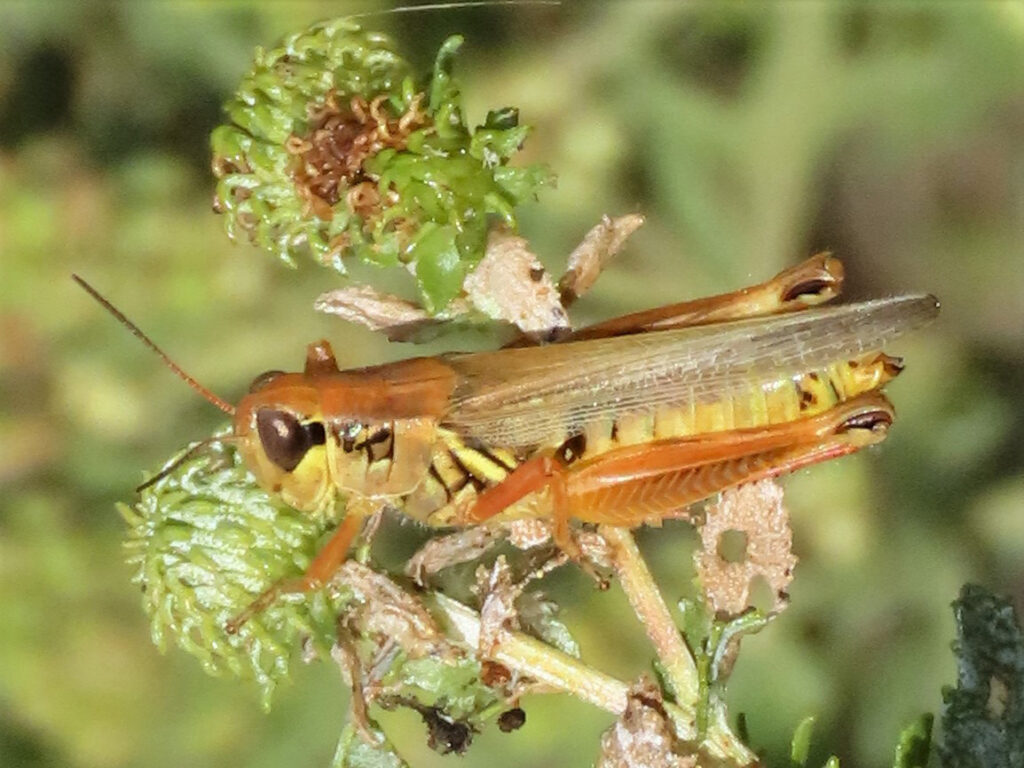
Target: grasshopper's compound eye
x=285, y=439
x=263, y=380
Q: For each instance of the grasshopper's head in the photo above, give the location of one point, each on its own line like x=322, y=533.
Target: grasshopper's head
x=281, y=434
x=367, y=433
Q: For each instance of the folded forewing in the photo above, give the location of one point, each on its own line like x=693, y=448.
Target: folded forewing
x=521, y=397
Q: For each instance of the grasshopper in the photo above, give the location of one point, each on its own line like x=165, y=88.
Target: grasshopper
x=625, y=422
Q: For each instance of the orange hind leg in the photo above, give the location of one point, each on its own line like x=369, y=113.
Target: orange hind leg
x=636, y=484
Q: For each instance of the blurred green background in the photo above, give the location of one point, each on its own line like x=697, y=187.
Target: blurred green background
x=750, y=135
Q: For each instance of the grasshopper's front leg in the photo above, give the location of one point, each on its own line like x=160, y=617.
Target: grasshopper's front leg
x=320, y=570
x=812, y=282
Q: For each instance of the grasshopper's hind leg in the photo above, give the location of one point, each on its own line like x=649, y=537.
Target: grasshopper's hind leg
x=812, y=282
x=647, y=483
x=636, y=484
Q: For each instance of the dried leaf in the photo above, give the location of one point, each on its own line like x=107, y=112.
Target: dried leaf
x=400, y=320
x=527, y=533
x=445, y=551
x=756, y=511
x=538, y=616
x=508, y=287
x=511, y=285
x=643, y=737
x=498, y=604
x=384, y=609
x=590, y=257
x=346, y=656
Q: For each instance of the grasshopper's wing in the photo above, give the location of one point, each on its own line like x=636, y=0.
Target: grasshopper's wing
x=528, y=396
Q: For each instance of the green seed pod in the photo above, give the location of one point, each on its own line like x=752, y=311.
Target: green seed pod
x=334, y=153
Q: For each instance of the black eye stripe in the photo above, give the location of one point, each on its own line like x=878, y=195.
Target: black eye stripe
x=285, y=439
x=315, y=431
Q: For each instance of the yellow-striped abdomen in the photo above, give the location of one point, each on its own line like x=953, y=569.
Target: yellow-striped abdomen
x=459, y=471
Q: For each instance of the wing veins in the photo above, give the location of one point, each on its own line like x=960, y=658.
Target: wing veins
x=520, y=397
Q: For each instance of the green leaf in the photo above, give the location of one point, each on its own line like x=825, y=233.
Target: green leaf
x=354, y=752
x=914, y=744
x=983, y=721
x=444, y=90
x=800, y=746
x=438, y=268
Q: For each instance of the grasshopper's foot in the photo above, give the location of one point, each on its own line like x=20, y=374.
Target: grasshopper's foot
x=269, y=596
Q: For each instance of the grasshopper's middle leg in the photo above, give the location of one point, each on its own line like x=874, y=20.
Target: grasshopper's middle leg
x=531, y=476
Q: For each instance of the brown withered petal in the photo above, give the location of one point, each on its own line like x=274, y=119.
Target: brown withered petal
x=755, y=510
x=590, y=257
x=498, y=594
x=642, y=737
x=445, y=551
x=329, y=159
x=386, y=610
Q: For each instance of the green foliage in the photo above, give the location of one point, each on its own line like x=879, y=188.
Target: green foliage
x=332, y=153
x=356, y=752
x=205, y=541
x=801, y=745
x=983, y=722
x=915, y=744
x=715, y=643
x=748, y=135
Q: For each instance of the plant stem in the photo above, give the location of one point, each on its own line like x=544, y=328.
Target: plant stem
x=539, y=661
x=649, y=606
x=536, y=658
x=674, y=655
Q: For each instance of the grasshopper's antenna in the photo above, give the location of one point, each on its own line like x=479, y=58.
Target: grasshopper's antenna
x=451, y=5
x=183, y=458
x=207, y=394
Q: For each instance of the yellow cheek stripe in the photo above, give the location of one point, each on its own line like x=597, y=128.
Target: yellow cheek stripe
x=309, y=485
